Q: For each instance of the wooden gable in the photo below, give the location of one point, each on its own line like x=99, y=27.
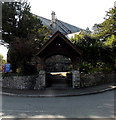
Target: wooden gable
x=59, y=44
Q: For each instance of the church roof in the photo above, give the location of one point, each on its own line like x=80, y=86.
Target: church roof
x=61, y=26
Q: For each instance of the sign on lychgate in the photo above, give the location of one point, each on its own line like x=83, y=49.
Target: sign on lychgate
x=7, y=67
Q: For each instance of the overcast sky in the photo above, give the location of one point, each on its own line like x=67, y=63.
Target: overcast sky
x=81, y=13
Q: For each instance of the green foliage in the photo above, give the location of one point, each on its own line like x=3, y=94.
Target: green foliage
x=19, y=22
x=99, y=48
x=24, y=33
x=106, y=32
x=27, y=69
x=2, y=62
x=110, y=41
x=108, y=27
x=86, y=67
x=89, y=45
x=102, y=67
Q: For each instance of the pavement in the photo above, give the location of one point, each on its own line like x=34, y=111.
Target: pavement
x=62, y=92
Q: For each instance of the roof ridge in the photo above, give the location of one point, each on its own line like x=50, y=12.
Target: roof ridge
x=62, y=26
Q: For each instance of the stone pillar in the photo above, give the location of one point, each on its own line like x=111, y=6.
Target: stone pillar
x=75, y=79
x=40, y=80
x=40, y=64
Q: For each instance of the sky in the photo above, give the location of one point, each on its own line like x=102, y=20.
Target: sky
x=80, y=13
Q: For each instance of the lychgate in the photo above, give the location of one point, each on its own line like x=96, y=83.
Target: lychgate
x=60, y=45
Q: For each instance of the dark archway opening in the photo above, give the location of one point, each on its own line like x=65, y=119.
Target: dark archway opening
x=58, y=71
x=58, y=63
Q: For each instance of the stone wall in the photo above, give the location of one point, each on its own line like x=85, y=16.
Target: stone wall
x=75, y=79
x=0, y=81
x=97, y=78
x=38, y=82
x=19, y=82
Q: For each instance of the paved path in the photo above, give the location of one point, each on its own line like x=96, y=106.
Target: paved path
x=89, y=106
x=50, y=92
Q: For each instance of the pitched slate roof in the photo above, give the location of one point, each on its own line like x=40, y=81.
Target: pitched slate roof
x=61, y=26
x=65, y=39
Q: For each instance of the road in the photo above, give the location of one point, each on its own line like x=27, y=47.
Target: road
x=89, y=106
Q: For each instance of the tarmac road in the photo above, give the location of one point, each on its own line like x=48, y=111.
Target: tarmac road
x=89, y=106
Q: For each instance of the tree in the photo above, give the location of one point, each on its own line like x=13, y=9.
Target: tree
x=18, y=21
x=2, y=61
x=106, y=32
x=108, y=27
x=23, y=31
x=99, y=48
x=95, y=55
x=88, y=44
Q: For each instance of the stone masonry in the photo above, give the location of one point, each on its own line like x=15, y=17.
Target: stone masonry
x=19, y=82
x=75, y=79
x=40, y=80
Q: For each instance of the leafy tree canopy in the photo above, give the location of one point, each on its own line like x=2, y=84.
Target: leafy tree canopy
x=99, y=48
x=2, y=61
x=23, y=31
x=108, y=27
x=19, y=22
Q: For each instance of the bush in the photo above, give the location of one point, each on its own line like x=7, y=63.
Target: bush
x=85, y=67
x=10, y=74
x=98, y=67
x=27, y=70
